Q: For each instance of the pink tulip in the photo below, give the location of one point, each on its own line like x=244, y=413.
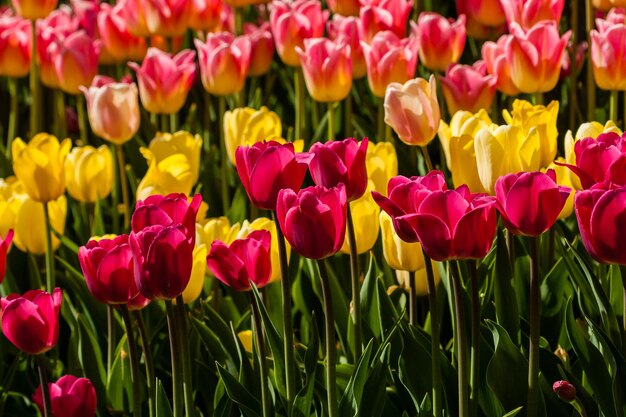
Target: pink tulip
x=261, y=48
x=494, y=56
x=344, y=7
x=86, y=11
x=327, y=69
x=389, y=15
x=15, y=46
x=76, y=62
x=535, y=56
x=224, y=62
x=56, y=27
x=608, y=55
x=441, y=40
x=165, y=80
x=389, y=59
x=530, y=202
x=527, y=13
x=135, y=17
x=205, y=15
x=168, y=18
x=70, y=396
x=346, y=30
x=313, y=220
x=5, y=245
x=484, y=12
x=242, y=261
x=292, y=23
x=468, y=87
x=118, y=44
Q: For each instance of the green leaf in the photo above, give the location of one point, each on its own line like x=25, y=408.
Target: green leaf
x=239, y=394
x=163, y=407
x=90, y=358
x=513, y=413
x=304, y=399
x=214, y=344
x=507, y=312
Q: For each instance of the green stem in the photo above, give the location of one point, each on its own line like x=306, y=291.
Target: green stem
x=238, y=21
x=613, y=105
x=147, y=355
x=165, y=127
x=355, y=311
x=331, y=121
x=260, y=347
x=173, y=122
x=534, y=321
x=580, y=408
x=35, y=104
x=83, y=123
x=13, y=115
x=381, y=121
x=60, y=119
x=115, y=195
x=50, y=273
x=348, y=131
x=510, y=247
x=427, y=161
x=412, y=299
x=185, y=356
x=124, y=183
x=285, y=287
x=434, y=337
x=223, y=156
x=110, y=337
x=591, y=84
x=537, y=98
x=331, y=349
x=475, y=344
x=298, y=80
x=7, y=381
x=134, y=360
x=177, y=385
x=45, y=390
x=457, y=289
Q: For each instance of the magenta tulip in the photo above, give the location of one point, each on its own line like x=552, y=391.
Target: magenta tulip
x=5, y=244
x=313, y=220
x=70, y=396
x=599, y=160
x=167, y=210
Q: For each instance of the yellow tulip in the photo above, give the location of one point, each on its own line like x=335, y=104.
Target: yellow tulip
x=366, y=224
x=247, y=126
x=198, y=271
x=89, y=173
x=563, y=178
x=170, y=175
x=586, y=130
x=382, y=164
x=420, y=282
x=502, y=150
x=7, y=203
x=217, y=228
x=39, y=165
x=462, y=123
x=245, y=337
x=539, y=118
x=165, y=145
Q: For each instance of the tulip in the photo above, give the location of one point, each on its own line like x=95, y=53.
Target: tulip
x=198, y=272
x=168, y=210
x=292, y=23
x=224, y=62
x=218, y=228
x=5, y=245
x=389, y=60
x=135, y=17
x=600, y=160
x=266, y=168
x=389, y=15
x=530, y=202
x=118, y=43
x=344, y=7
x=340, y=162
x=346, y=30
x=245, y=126
x=33, y=9
x=181, y=142
x=164, y=80
x=412, y=110
x=607, y=57
x=167, y=18
x=313, y=220
x=39, y=165
x=539, y=118
x=76, y=62
x=205, y=15
x=563, y=178
x=441, y=40
x=59, y=25
x=535, y=56
x=366, y=224
x=172, y=174
x=108, y=268
x=89, y=173
x=484, y=12
x=381, y=164
x=468, y=87
x=244, y=260
x=113, y=110
x=86, y=11
x=69, y=397
x=261, y=48
x=494, y=55
x=564, y=390
x=31, y=321
x=15, y=46
x=527, y=13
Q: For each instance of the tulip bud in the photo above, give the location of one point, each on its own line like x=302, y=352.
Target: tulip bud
x=182, y=142
x=468, y=87
x=441, y=40
x=245, y=126
x=15, y=46
x=607, y=52
x=564, y=390
x=327, y=69
x=89, y=173
x=69, y=397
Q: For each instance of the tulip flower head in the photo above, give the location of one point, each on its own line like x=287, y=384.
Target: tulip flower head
x=118, y=43
x=494, y=56
x=365, y=217
x=483, y=12
x=441, y=40
x=15, y=48
x=205, y=15
x=564, y=390
x=468, y=87
x=89, y=173
x=245, y=126
x=527, y=13
x=5, y=245
x=31, y=321
x=164, y=145
x=381, y=164
x=76, y=61
x=70, y=396
x=224, y=62
x=167, y=18
x=384, y=15
x=346, y=30
x=261, y=48
x=608, y=48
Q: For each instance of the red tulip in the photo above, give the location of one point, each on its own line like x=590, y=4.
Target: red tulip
x=530, y=202
x=564, y=390
x=5, y=244
x=468, y=87
x=313, y=220
x=267, y=167
x=31, y=321
x=262, y=48
x=384, y=15
x=245, y=260
x=346, y=30
x=108, y=268
x=405, y=196
x=340, y=162
x=441, y=40
x=70, y=396
x=599, y=160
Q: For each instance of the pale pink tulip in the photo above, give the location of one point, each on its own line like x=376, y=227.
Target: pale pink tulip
x=57, y=26
x=608, y=55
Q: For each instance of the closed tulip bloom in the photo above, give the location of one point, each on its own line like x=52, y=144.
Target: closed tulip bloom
x=167, y=18
x=527, y=13
x=263, y=223
x=346, y=30
x=172, y=174
x=31, y=321
x=340, y=162
x=198, y=273
x=217, y=228
x=118, y=43
x=76, y=63
x=292, y=23
x=530, y=202
x=246, y=259
x=261, y=48
x=34, y=9
x=15, y=46
x=164, y=80
x=181, y=142
x=224, y=62
x=39, y=165
x=5, y=245
x=89, y=173
x=494, y=55
x=344, y=7
x=265, y=168
x=608, y=48
x=70, y=396
x=113, y=110
x=107, y=265
x=600, y=160
x=468, y=87
x=135, y=17
x=168, y=210
x=484, y=12
x=58, y=25
x=441, y=40
x=412, y=110
x=245, y=126
x=389, y=60
x=205, y=15
x=563, y=178
x=391, y=15
x=327, y=69
x=365, y=213
x=381, y=163
x=313, y=220
x=535, y=56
